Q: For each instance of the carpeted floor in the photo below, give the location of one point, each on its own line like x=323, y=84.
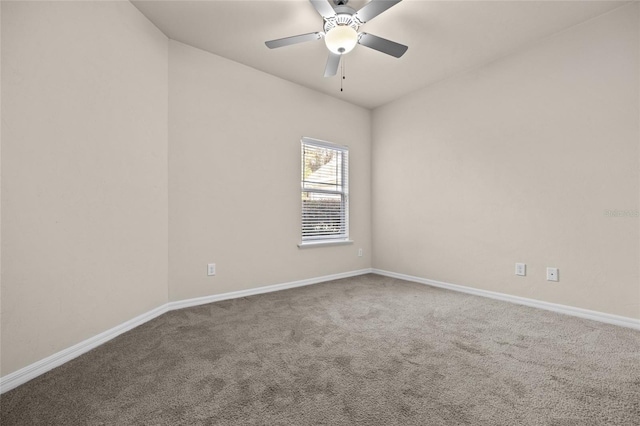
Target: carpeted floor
x=368, y=350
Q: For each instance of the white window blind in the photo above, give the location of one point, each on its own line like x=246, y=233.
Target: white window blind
x=325, y=191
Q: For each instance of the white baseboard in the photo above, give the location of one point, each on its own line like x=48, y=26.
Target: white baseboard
x=34, y=370
x=29, y=372
x=17, y=378
x=563, y=309
x=260, y=290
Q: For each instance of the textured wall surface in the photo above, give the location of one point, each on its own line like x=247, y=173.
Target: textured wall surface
x=519, y=161
x=234, y=176
x=84, y=173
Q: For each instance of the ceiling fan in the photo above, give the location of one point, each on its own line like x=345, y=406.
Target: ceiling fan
x=341, y=31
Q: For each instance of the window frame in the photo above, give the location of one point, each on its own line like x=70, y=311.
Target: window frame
x=333, y=239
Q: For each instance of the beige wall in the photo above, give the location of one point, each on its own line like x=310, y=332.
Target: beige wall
x=234, y=170
x=517, y=161
x=84, y=173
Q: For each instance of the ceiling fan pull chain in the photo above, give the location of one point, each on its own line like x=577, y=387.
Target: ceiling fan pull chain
x=342, y=71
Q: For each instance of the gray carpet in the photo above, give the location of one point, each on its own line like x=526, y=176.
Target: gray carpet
x=368, y=350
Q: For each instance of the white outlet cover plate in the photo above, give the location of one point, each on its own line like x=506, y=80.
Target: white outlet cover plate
x=552, y=274
x=211, y=269
x=521, y=269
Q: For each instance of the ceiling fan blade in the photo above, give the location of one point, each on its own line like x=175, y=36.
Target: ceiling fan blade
x=272, y=44
x=382, y=45
x=374, y=8
x=324, y=8
x=332, y=64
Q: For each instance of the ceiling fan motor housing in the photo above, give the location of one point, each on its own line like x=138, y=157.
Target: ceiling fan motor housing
x=344, y=16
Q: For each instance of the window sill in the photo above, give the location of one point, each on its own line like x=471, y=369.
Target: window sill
x=326, y=243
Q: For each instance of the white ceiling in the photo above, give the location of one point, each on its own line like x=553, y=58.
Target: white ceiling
x=444, y=38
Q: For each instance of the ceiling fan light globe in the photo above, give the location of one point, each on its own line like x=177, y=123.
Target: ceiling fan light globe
x=341, y=39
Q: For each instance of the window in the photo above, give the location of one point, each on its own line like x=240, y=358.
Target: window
x=325, y=193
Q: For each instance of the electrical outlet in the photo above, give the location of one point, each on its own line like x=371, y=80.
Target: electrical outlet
x=552, y=274
x=211, y=269
x=521, y=269
x=360, y=252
